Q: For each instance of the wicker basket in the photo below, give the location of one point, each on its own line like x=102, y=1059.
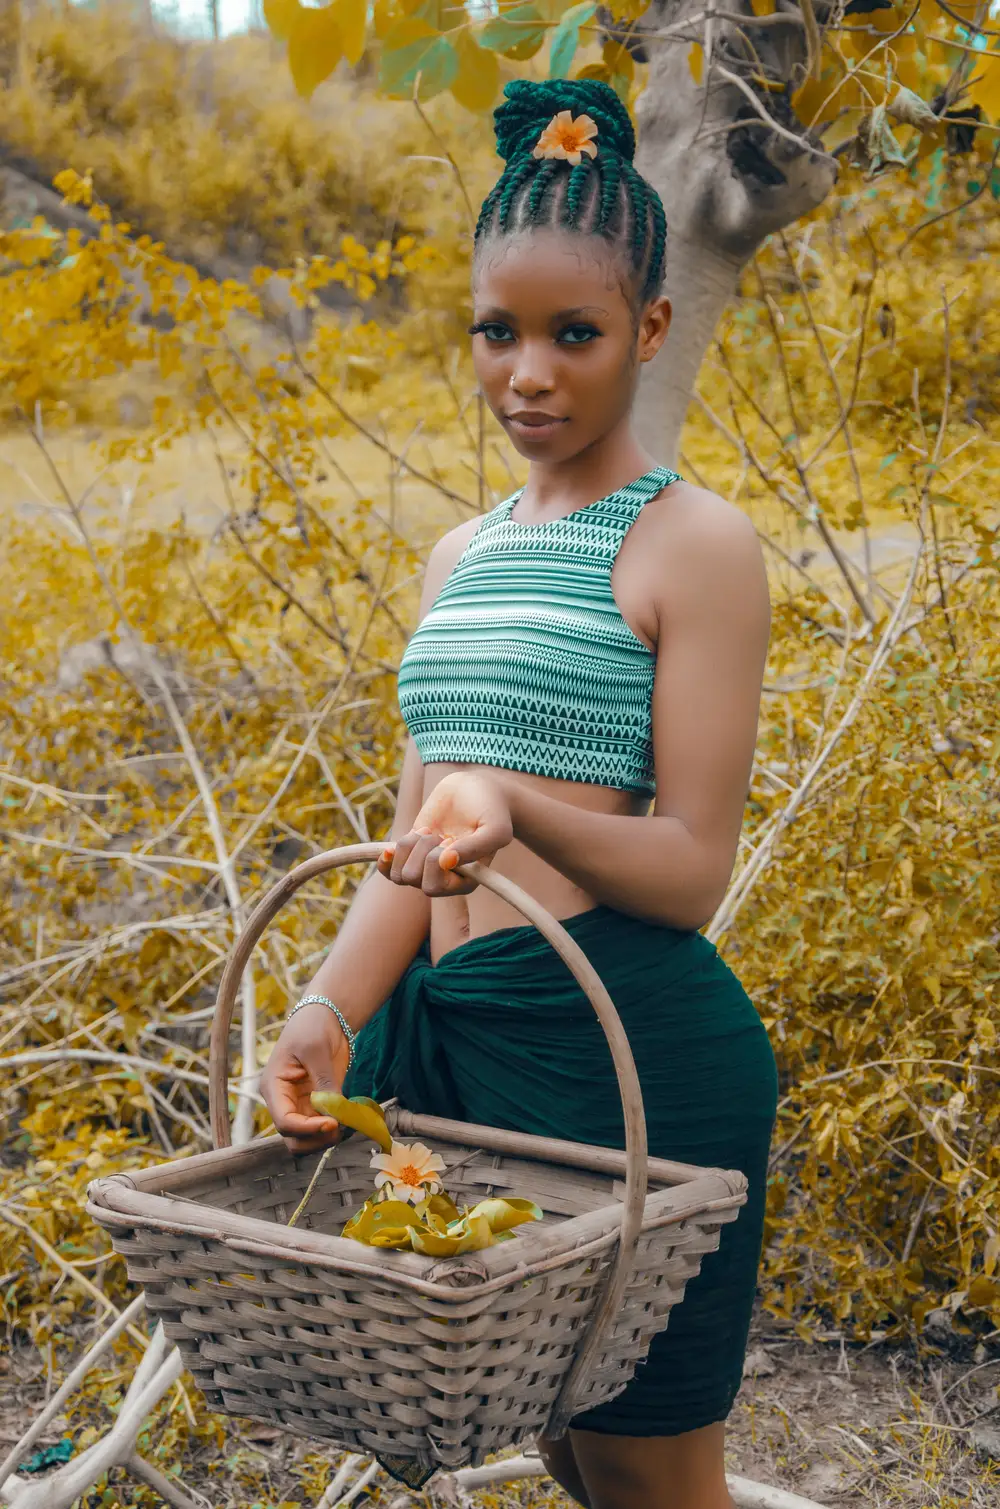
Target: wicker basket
x=441, y=1361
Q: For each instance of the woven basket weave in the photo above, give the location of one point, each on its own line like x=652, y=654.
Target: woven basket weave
x=441, y=1361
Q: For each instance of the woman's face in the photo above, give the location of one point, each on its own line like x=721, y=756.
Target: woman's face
x=556, y=344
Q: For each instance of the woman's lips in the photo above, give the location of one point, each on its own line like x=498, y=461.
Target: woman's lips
x=534, y=427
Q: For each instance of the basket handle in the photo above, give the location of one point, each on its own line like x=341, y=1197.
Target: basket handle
x=636, y=1153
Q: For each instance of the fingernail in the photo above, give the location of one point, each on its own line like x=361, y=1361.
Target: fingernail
x=387, y=853
x=449, y=860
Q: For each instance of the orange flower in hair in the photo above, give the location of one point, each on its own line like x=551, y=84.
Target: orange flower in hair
x=567, y=138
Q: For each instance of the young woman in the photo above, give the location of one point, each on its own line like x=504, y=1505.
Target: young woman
x=594, y=642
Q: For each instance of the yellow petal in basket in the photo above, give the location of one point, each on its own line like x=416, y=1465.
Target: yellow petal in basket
x=435, y=1227
x=360, y=1113
x=378, y=1220
x=503, y=1214
x=466, y=1235
x=439, y=1208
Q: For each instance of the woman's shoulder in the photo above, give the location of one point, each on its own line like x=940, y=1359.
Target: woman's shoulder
x=696, y=549
x=693, y=521
x=446, y=553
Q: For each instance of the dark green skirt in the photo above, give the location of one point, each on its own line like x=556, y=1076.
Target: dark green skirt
x=500, y=1033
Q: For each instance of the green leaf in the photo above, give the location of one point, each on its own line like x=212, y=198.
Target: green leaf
x=566, y=39
x=518, y=33
x=413, y=50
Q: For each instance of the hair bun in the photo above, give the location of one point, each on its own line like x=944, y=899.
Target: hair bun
x=529, y=107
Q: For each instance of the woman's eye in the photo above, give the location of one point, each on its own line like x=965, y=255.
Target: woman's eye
x=493, y=331
x=578, y=335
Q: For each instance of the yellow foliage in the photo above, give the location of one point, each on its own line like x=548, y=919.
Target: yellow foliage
x=208, y=149
x=985, y=87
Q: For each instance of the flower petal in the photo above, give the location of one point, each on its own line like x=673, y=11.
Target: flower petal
x=589, y=148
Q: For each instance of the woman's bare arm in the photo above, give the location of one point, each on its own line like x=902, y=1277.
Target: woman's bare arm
x=378, y=940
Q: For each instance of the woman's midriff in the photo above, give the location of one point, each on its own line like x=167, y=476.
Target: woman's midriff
x=456, y=919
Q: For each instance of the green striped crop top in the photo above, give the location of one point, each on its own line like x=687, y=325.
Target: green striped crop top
x=524, y=660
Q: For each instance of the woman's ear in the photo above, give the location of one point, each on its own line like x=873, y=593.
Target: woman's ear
x=654, y=322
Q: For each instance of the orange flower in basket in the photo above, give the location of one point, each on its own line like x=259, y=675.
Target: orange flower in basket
x=567, y=137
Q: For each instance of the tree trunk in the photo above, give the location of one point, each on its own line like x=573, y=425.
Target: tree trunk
x=728, y=178
x=700, y=283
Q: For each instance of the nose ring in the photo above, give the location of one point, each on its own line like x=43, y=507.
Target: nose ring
x=511, y=382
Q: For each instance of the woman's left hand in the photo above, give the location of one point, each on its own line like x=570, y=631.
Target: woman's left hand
x=466, y=817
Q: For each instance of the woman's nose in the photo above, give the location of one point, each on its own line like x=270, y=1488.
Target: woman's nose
x=532, y=375
x=530, y=384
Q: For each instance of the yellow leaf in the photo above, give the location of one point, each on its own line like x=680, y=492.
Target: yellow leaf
x=433, y=1243
x=377, y=1217
x=984, y=91
x=282, y=17
x=818, y=100
x=991, y=1252
x=696, y=61
x=361, y=1115
x=983, y=1291
x=763, y=7
x=440, y=1206
x=595, y=71
x=504, y=1214
x=478, y=79
x=314, y=48
x=384, y=15
x=351, y=16
x=619, y=60
x=920, y=921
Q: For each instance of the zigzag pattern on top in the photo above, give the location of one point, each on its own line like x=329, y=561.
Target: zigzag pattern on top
x=524, y=661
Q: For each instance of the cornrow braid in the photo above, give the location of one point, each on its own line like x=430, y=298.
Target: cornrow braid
x=611, y=181
x=572, y=203
x=522, y=170
x=488, y=208
x=544, y=174
x=658, y=245
x=640, y=213
x=604, y=195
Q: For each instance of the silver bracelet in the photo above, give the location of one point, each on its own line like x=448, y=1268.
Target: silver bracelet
x=350, y=1035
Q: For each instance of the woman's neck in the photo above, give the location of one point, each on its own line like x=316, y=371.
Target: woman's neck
x=558, y=488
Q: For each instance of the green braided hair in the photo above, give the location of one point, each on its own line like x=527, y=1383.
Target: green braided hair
x=601, y=196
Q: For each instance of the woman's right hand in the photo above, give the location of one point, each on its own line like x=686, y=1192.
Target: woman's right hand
x=311, y=1054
